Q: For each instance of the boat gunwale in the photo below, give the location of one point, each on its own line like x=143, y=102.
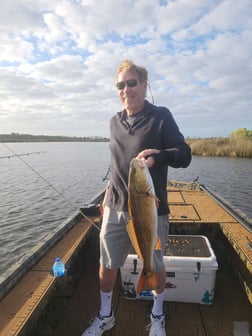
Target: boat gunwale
x=237, y=214
x=10, y=278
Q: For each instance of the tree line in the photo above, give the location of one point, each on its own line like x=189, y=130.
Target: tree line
x=16, y=137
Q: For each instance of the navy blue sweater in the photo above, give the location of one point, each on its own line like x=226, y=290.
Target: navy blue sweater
x=153, y=128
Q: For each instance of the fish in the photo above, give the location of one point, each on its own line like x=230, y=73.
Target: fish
x=142, y=226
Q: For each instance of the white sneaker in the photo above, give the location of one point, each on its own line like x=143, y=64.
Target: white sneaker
x=157, y=325
x=99, y=325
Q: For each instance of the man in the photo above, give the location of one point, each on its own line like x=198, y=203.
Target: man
x=141, y=130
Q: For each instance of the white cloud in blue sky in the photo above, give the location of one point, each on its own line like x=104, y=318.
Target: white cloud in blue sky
x=58, y=61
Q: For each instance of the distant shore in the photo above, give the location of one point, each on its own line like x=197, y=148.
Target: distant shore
x=16, y=137
x=223, y=147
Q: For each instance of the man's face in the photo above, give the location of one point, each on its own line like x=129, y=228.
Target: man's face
x=132, y=97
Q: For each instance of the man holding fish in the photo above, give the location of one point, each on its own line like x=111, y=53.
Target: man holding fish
x=144, y=141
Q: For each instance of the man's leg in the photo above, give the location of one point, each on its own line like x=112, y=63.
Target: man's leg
x=107, y=282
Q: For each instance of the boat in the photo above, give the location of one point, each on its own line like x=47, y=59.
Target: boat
x=34, y=302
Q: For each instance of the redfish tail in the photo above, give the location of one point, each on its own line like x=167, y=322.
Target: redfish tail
x=158, y=244
x=147, y=282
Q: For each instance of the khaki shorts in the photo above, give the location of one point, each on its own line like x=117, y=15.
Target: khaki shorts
x=115, y=243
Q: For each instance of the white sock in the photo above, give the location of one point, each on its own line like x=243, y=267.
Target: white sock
x=157, y=308
x=106, y=299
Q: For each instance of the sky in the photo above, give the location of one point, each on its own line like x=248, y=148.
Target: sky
x=58, y=61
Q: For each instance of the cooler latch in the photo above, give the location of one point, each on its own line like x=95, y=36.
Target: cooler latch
x=134, y=267
x=198, y=269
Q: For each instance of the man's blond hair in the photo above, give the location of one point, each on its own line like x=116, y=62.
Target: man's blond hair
x=132, y=67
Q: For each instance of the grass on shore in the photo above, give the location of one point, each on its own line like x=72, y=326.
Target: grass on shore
x=231, y=147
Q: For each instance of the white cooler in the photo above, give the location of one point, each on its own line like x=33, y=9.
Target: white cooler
x=190, y=266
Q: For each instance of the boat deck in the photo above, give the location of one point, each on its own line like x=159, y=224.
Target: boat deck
x=132, y=316
x=68, y=304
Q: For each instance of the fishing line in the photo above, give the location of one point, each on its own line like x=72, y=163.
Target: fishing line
x=53, y=187
x=11, y=156
x=149, y=87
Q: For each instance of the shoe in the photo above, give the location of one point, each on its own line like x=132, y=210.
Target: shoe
x=157, y=325
x=99, y=325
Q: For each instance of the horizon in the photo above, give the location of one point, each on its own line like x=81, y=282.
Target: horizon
x=103, y=137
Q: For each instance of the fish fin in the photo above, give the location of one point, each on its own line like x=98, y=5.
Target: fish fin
x=156, y=199
x=147, y=282
x=158, y=245
x=132, y=235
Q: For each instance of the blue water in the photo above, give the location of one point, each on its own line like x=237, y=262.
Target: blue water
x=30, y=208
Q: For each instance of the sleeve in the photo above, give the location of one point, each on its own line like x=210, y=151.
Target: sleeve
x=176, y=152
x=176, y=157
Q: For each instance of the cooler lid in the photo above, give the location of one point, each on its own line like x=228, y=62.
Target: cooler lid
x=189, y=250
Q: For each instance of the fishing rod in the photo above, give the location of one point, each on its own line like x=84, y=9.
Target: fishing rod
x=106, y=177
x=16, y=155
x=73, y=205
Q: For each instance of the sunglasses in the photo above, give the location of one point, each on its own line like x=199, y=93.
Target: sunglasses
x=130, y=83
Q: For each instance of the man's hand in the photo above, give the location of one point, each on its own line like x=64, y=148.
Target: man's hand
x=146, y=154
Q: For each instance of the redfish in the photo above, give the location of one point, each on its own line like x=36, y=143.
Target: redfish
x=142, y=227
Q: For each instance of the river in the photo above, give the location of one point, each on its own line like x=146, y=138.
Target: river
x=30, y=208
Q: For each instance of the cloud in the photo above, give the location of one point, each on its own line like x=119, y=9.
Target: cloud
x=58, y=61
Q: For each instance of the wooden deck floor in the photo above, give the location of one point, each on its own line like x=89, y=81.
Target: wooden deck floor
x=182, y=319
x=76, y=298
